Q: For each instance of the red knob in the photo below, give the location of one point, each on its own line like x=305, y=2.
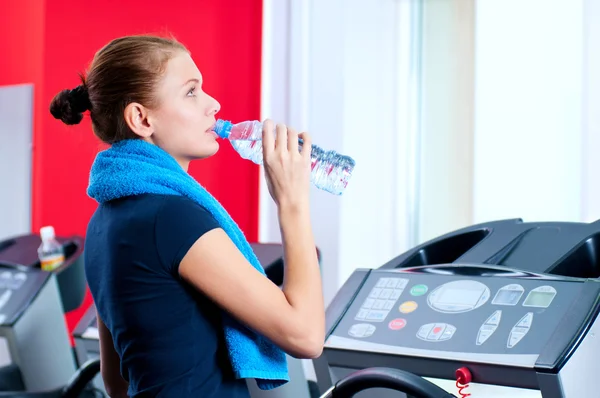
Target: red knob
x=463, y=376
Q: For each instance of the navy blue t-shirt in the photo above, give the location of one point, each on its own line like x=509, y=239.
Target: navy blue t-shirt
x=168, y=335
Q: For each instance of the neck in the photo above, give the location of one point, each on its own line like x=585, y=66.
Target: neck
x=185, y=164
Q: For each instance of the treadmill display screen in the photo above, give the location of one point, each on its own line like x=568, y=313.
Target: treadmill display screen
x=539, y=299
x=507, y=297
x=460, y=297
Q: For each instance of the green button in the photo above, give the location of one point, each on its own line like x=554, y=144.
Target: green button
x=418, y=290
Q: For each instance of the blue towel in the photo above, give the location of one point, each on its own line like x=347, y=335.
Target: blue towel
x=134, y=167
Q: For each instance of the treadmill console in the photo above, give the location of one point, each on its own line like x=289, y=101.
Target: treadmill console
x=18, y=287
x=502, y=319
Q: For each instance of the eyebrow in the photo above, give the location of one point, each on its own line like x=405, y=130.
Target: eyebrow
x=191, y=80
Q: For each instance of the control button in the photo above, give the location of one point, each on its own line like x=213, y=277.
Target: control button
x=436, y=332
x=485, y=331
x=370, y=330
x=22, y=276
x=396, y=294
x=361, y=330
x=483, y=335
x=514, y=339
x=385, y=294
x=408, y=307
x=418, y=290
x=368, y=303
x=5, y=279
x=484, y=298
x=17, y=281
x=448, y=333
x=520, y=329
x=361, y=315
x=397, y=324
x=389, y=304
x=392, y=283
x=402, y=283
x=378, y=304
x=375, y=292
x=489, y=327
x=494, y=319
x=382, y=282
x=508, y=295
x=526, y=321
x=5, y=297
x=376, y=315
x=424, y=331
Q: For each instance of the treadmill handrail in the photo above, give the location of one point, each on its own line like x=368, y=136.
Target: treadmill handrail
x=394, y=379
x=84, y=375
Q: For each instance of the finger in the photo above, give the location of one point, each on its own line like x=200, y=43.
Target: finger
x=281, y=138
x=268, y=140
x=292, y=140
x=306, y=145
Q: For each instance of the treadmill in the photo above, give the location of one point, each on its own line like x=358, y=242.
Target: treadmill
x=509, y=306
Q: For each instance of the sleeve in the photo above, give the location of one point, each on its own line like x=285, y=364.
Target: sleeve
x=179, y=223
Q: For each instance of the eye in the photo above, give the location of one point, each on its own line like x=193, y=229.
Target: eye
x=191, y=92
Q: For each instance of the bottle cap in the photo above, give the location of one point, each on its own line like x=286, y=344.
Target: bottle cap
x=47, y=233
x=223, y=128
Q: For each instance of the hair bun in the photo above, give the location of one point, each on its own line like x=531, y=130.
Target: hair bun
x=69, y=105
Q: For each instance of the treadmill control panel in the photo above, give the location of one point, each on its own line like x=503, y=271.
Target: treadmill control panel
x=17, y=289
x=454, y=313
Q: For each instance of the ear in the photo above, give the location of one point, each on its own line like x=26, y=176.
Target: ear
x=136, y=117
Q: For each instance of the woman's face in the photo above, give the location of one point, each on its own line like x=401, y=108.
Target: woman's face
x=183, y=121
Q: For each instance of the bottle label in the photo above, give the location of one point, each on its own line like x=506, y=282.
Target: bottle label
x=51, y=263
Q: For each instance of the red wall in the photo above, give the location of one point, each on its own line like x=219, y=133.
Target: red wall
x=48, y=43
x=225, y=39
x=21, y=40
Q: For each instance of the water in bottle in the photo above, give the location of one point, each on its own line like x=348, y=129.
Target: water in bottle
x=330, y=170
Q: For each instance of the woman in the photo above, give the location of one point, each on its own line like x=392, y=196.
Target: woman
x=172, y=278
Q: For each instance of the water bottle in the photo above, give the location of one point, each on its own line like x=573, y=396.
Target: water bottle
x=51, y=253
x=330, y=170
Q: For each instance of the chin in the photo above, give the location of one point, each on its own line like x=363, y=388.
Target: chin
x=206, y=151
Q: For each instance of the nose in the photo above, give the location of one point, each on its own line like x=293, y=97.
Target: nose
x=214, y=107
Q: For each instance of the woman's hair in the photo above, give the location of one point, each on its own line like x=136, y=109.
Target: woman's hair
x=126, y=70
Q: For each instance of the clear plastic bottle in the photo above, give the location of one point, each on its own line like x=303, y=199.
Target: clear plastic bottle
x=330, y=170
x=50, y=252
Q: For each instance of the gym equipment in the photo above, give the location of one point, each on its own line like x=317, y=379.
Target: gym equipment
x=22, y=250
x=512, y=305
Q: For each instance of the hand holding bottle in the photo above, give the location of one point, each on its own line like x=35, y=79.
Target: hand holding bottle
x=287, y=168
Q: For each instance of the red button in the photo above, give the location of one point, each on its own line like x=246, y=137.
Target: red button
x=397, y=324
x=437, y=329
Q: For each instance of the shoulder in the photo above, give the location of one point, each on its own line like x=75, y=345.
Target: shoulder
x=179, y=223
x=151, y=204
x=180, y=210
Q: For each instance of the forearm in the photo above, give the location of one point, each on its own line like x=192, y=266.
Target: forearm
x=302, y=277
